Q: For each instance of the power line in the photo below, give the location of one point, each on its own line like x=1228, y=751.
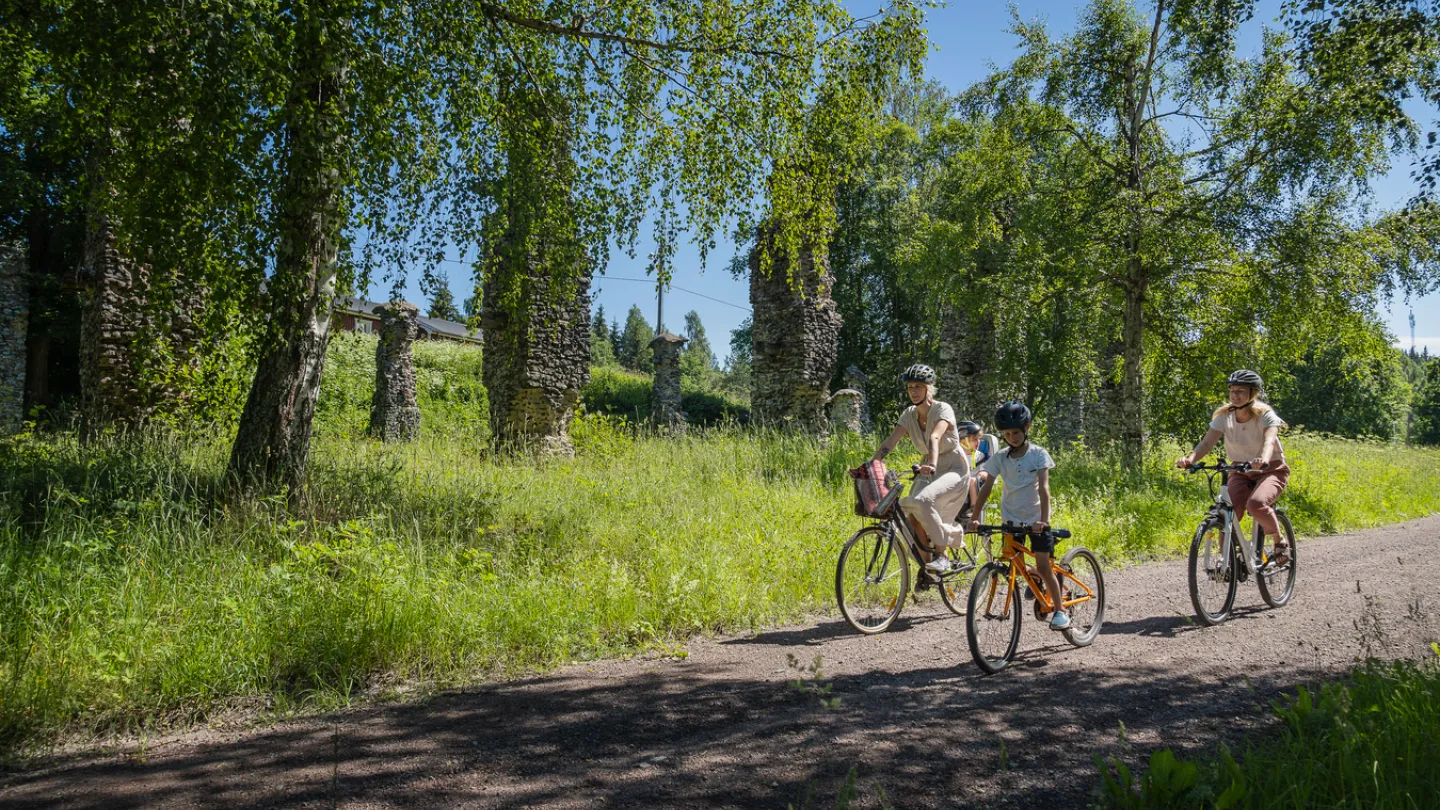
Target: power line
x=680, y=289
x=643, y=281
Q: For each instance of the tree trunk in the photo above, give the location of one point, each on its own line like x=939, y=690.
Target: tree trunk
x=273, y=442
x=795, y=338
x=1132, y=400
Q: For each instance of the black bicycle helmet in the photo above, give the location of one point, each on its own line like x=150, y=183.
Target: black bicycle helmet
x=919, y=373
x=1012, y=416
x=967, y=428
x=1246, y=377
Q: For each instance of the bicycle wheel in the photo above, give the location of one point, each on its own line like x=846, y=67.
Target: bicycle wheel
x=1278, y=585
x=993, y=624
x=1212, y=574
x=1085, y=617
x=955, y=587
x=871, y=580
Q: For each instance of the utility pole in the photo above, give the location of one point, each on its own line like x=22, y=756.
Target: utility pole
x=660, y=312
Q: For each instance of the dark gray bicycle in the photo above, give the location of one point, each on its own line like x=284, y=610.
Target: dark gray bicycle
x=872, y=578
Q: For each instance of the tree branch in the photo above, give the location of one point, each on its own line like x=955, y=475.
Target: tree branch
x=578, y=31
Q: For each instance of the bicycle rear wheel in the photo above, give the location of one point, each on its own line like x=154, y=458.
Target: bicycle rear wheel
x=993, y=624
x=1085, y=617
x=1278, y=585
x=1212, y=574
x=955, y=587
x=871, y=580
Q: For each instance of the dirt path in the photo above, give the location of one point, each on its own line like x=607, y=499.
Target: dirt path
x=724, y=728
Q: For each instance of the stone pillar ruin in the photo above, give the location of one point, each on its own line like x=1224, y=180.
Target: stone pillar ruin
x=967, y=367
x=856, y=380
x=794, y=337
x=394, y=416
x=665, y=396
x=538, y=358
x=14, y=324
x=845, y=406
x=109, y=378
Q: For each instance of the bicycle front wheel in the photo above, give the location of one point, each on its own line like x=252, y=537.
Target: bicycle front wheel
x=1277, y=585
x=993, y=624
x=1087, y=616
x=871, y=580
x=1212, y=574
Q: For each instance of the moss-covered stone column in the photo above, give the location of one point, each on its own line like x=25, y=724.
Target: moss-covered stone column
x=795, y=334
x=845, y=407
x=665, y=397
x=857, y=380
x=394, y=414
x=14, y=325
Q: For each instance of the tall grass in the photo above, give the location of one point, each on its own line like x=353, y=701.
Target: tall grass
x=131, y=592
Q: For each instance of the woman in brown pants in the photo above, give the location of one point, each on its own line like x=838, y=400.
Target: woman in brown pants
x=1251, y=430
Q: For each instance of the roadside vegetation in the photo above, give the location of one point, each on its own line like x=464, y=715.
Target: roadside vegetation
x=1367, y=741
x=134, y=595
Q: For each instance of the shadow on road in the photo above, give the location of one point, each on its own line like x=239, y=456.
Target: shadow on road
x=930, y=737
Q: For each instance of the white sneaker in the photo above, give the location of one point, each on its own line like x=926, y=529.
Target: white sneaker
x=939, y=565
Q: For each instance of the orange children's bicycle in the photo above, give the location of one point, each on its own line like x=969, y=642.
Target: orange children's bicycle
x=993, y=623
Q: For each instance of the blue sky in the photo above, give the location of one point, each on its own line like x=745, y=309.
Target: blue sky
x=968, y=39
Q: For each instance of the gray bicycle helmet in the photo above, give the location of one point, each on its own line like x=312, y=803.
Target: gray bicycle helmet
x=918, y=373
x=1012, y=416
x=1246, y=377
x=967, y=428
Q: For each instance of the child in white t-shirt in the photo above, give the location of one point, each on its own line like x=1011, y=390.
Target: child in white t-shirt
x=1025, y=469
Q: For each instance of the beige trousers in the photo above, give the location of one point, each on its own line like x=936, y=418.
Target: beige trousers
x=934, y=501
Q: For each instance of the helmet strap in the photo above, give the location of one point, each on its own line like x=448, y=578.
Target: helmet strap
x=1022, y=446
x=1251, y=401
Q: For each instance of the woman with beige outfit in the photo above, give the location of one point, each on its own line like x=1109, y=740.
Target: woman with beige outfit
x=943, y=480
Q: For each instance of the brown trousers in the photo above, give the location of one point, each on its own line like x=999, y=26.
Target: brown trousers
x=1256, y=493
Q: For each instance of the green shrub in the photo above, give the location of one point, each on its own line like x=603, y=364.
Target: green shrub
x=1368, y=741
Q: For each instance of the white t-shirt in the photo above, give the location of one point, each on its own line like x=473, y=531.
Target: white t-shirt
x=1021, y=501
x=1245, y=440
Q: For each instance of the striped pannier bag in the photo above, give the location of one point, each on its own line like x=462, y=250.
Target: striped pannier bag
x=873, y=486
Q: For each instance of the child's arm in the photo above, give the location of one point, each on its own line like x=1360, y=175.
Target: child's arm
x=978, y=496
x=1043, y=484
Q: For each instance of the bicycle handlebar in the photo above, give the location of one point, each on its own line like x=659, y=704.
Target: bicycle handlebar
x=1238, y=466
x=1008, y=528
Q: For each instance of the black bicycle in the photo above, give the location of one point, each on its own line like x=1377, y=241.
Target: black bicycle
x=872, y=577
x=1221, y=558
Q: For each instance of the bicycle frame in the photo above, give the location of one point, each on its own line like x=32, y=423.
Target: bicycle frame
x=896, y=522
x=1230, y=531
x=1015, y=552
